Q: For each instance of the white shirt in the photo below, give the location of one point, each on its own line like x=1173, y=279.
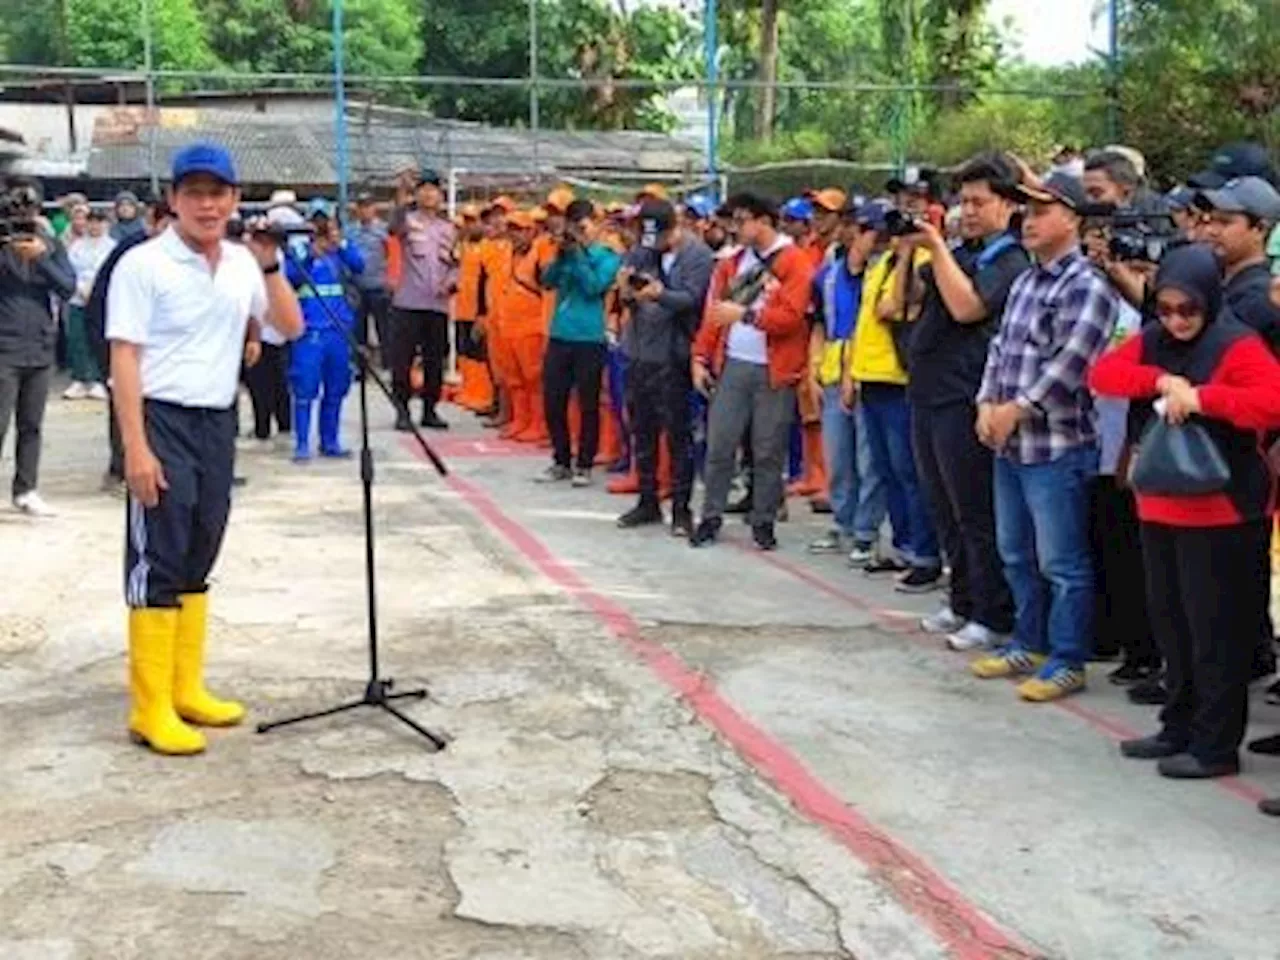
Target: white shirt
x=747, y=343
x=87, y=254
x=190, y=321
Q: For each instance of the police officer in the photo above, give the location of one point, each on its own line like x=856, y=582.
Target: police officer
x=178, y=308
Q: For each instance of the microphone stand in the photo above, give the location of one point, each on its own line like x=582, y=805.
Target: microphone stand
x=378, y=689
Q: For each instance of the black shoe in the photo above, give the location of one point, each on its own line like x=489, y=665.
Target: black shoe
x=742, y=505
x=1186, y=767
x=1132, y=671
x=1264, y=665
x=707, y=532
x=403, y=423
x=820, y=505
x=642, y=514
x=1266, y=746
x=1270, y=807
x=884, y=565
x=239, y=481
x=920, y=580
x=432, y=420
x=1149, y=693
x=762, y=534
x=1150, y=748
x=682, y=524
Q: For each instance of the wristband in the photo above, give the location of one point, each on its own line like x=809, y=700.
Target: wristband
x=268, y=271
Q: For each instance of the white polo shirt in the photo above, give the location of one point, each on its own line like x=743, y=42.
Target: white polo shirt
x=189, y=320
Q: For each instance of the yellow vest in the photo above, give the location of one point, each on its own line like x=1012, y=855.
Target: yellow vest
x=875, y=359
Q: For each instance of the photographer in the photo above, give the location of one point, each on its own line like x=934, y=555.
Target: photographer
x=178, y=308
x=965, y=291
x=33, y=269
x=582, y=273
x=665, y=284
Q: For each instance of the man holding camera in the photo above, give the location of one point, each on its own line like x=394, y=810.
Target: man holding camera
x=965, y=291
x=582, y=273
x=1035, y=411
x=33, y=269
x=178, y=308
x=420, y=315
x=665, y=284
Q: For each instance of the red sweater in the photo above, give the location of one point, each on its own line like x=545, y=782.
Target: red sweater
x=783, y=318
x=1244, y=391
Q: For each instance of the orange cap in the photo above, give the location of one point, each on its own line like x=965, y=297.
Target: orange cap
x=538, y=214
x=469, y=211
x=830, y=199
x=521, y=220
x=655, y=190
x=503, y=203
x=559, y=199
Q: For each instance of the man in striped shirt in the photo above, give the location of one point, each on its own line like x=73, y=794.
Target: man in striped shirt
x=1035, y=411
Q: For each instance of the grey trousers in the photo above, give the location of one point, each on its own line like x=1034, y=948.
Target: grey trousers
x=23, y=392
x=744, y=396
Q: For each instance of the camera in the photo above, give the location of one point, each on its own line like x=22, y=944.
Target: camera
x=16, y=221
x=899, y=224
x=1133, y=237
x=638, y=281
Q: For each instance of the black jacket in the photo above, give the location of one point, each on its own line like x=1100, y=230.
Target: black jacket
x=662, y=330
x=95, y=311
x=28, y=330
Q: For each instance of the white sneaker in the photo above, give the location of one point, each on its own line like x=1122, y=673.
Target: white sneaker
x=98, y=392
x=77, y=391
x=944, y=621
x=974, y=636
x=33, y=505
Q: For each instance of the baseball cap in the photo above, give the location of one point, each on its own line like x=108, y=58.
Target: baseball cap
x=521, y=220
x=1180, y=198
x=503, y=203
x=797, y=208
x=699, y=206
x=428, y=175
x=830, y=198
x=469, y=211
x=282, y=198
x=656, y=217
x=873, y=214
x=319, y=207
x=205, y=157
x=1058, y=187
x=364, y=196
x=1251, y=195
x=1232, y=161
x=559, y=199
x=655, y=191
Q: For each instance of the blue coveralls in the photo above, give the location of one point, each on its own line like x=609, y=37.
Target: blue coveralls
x=321, y=355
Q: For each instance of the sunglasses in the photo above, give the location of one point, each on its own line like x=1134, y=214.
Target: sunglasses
x=1184, y=311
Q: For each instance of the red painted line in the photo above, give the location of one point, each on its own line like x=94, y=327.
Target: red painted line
x=1115, y=730
x=963, y=929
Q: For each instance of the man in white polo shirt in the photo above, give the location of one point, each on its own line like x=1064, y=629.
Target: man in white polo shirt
x=178, y=308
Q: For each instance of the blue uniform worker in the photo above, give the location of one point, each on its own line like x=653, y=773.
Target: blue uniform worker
x=321, y=358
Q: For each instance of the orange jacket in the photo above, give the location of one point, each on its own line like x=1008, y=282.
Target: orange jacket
x=521, y=304
x=395, y=262
x=470, y=268
x=783, y=318
x=495, y=262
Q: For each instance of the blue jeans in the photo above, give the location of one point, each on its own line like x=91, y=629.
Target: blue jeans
x=886, y=421
x=856, y=491
x=1042, y=529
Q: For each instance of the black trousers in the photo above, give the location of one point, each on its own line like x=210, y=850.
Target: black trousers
x=23, y=394
x=956, y=473
x=1121, y=623
x=572, y=367
x=269, y=391
x=115, y=461
x=414, y=333
x=1203, y=592
x=659, y=403
x=374, y=305
x=171, y=548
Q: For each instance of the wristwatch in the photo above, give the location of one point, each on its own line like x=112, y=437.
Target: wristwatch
x=269, y=270
x=750, y=317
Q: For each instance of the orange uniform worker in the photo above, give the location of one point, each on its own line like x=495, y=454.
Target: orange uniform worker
x=476, y=393
x=521, y=316
x=494, y=250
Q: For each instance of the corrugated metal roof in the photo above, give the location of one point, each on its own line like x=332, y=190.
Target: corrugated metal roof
x=273, y=149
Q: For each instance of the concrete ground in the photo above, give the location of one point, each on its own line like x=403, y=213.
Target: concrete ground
x=655, y=751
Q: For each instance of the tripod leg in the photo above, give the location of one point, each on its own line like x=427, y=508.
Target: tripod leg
x=408, y=695
x=422, y=731
x=264, y=727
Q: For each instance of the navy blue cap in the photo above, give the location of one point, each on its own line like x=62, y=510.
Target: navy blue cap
x=211, y=158
x=797, y=208
x=872, y=214
x=1058, y=187
x=699, y=206
x=1180, y=198
x=1232, y=161
x=428, y=175
x=319, y=207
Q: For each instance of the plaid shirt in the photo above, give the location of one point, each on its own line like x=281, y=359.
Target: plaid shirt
x=1058, y=318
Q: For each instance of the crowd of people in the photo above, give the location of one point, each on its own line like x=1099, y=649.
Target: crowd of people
x=1049, y=396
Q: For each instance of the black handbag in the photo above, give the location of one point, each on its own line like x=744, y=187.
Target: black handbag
x=1178, y=461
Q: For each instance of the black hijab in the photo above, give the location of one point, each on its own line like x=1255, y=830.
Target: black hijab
x=1193, y=270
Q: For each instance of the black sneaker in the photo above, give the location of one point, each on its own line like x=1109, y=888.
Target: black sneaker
x=820, y=505
x=1149, y=693
x=1270, y=806
x=554, y=474
x=762, y=534
x=920, y=580
x=1186, y=767
x=642, y=514
x=884, y=565
x=403, y=423
x=707, y=532
x=1132, y=671
x=682, y=524
x=1155, y=747
x=1266, y=746
x=432, y=420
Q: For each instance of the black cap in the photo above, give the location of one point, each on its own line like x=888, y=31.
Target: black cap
x=365, y=196
x=428, y=175
x=1232, y=161
x=1058, y=187
x=656, y=216
x=895, y=185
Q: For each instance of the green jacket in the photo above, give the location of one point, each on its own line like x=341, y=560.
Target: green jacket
x=581, y=278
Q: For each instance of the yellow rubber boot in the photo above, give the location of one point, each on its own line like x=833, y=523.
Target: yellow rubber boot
x=193, y=702
x=152, y=719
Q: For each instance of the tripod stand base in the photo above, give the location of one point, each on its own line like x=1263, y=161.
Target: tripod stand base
x=376, y=694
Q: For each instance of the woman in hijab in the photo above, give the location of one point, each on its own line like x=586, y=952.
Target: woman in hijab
x=1207, y=556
